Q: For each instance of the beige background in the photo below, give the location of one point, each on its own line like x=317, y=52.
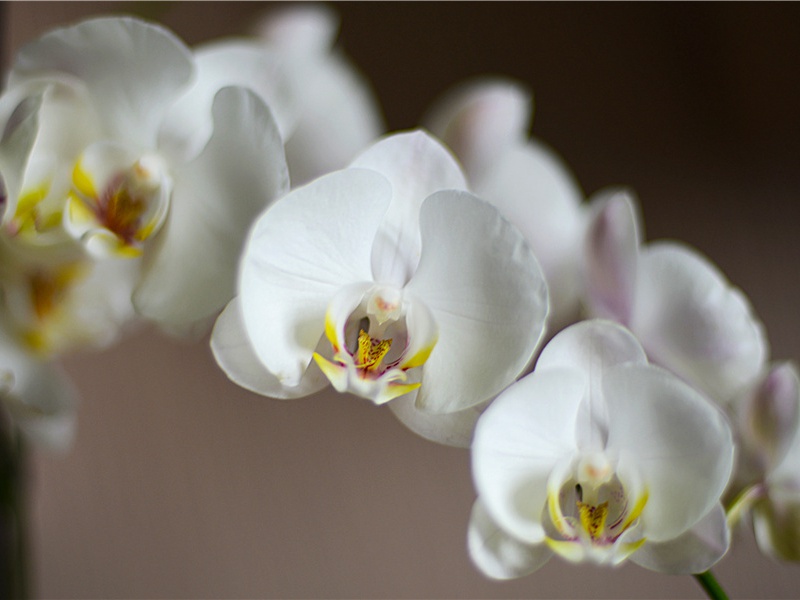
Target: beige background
x=182, y=485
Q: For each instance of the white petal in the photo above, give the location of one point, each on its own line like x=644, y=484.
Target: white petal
x=235, y=355
x=188, y=125
x=16, y=143
x=338, y=116
x=480, y=119
x=592, y=347
x=133, y=70
x=675, y=439
x=518, y=442
x=497, y=554
x=775, y=523
x=695, y=551
x=488, y=297
x=611, y=253
x=41, y=399
x=451, y=429
x=416, y=165
x=190, y=272
x=534, y=189
x=691, y=321
x=300, y=252
x=300, y=28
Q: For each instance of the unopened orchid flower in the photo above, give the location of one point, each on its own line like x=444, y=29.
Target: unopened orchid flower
x=88, y=154
x=486, y=123
x=683, y=310
x=336, y=114
x=599, y=456
x=389, y=282
x=36, y=395
x=766, y=490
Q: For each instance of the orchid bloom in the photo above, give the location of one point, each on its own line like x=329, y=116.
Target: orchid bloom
x=485, y=122
x=767, y=486
x=599, y=456
x=685, y=313
x=336, y=112
x=89, y=154
x=388, y=282
x=37, y=396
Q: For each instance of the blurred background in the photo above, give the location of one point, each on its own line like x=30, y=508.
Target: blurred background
x=181, y=484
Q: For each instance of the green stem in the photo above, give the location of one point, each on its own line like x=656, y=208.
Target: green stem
x=12, y=509
x=711, y=586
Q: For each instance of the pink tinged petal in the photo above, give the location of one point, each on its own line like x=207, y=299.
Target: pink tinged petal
x=611, y=255
x=488, y=297
x=190, y=269
x=534, y=189
x=188, y=125
x=235, y=355
x=769, y=416
x=480, y=119
x=300, y=253
x=416, y=166
x=451, y=429
x=693, y=322
x=497, y=554
x=519, y=441
x=133, y=70
x=676, y=440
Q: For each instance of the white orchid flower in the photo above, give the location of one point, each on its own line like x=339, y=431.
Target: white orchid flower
x=336, y=112
x=37, y=395
x=89, y=105
x=599, y=456
x=686, y=314
x=486, y=122
x=385, y=280
x=767, y=487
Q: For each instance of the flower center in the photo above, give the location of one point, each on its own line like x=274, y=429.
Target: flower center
x=129, y=207
x=376, y=338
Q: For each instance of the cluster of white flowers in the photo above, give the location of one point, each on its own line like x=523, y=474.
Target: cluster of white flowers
x=617, y=396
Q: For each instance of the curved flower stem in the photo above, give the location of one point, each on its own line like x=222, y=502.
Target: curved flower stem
x=711, y=586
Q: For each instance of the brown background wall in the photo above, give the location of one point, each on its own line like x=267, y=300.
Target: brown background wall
x=182, y=485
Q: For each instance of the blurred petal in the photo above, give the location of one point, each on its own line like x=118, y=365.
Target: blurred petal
x=611, y=253
x=534, y=189
x=188, y=124
x=678, y=441
x=416, y=166
x=693, y=322
x=497, y=554
x=518, y=442
x=304, y=28
x=695, y=551
x=480, y=119
x=190, y=271
x=488, y=297
x=235, y=355
x=133, y=70
x=300, y=252
x=16, y=142
x=451, y=429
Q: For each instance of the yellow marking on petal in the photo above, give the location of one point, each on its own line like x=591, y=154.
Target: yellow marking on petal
x=78, y=211
x=331, y=332
x=83, y=181
x=636, y=511
x=630, y=548
x=48, y=290
x=556, y=516
x=420, y=358
x=573, y=551
x=593, y=518
x=331, y=370
x=27, y=214
x=370, y=351
x=395, y=390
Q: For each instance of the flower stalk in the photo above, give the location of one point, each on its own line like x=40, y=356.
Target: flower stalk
x=711, y=586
